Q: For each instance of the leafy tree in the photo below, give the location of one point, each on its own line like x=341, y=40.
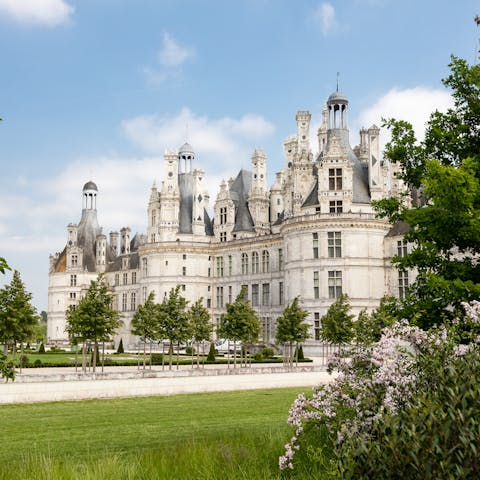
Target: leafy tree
x=3, y=264
x=240, y=323
x=200, y=325
x=18, y=317
x=337, y=326
x=211, y=353
x=291, y=327
x=7, y=368
x=145, y=323
x=93, y=318
x=173, y=322
x=445, y=225
x=368, y=327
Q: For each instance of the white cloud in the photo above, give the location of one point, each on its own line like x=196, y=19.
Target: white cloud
x=44, y=12
x=324, y=16
x=412, y=104
x=172, y=54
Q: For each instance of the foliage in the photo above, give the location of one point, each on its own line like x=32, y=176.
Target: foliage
x=268, y=352
x=93, y=318
x=41, y=349
x=3, y=264
x=201, y=327
x=120, y=347
x=211, y=353
x=337, y=325
x=368, y=327
x=7, y=368
x=444, y=170
x=299, y=353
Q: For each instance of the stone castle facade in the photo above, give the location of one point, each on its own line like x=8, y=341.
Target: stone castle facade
x=313, y=234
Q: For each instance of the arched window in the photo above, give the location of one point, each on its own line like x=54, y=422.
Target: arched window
x=255, y=262
x=244, y=264
x=265, y=261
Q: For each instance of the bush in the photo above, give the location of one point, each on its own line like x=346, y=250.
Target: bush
x=23, y=360
x=268, y=352
x=56, y=350
x=120, y=346
x=211, y=353
x=258, y=357
x=299, y=352
x=37, y=363
x=190, y=350
x=41, y=348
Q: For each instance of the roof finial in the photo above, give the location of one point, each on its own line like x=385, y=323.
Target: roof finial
x=186, y=132
x=338, y=76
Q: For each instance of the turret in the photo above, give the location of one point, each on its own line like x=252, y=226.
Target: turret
x=114, y=242
x=303, y=130
x=101, y=252
x=125, y=240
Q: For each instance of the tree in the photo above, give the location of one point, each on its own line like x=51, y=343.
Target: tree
x=93, y=318
x=18, y=317
x=337, y=327
x=145, y=323
x=291, y=328
x=240, y=323
x=3, y=264
x=200, y=325
x=173, y=320
x=444, y=228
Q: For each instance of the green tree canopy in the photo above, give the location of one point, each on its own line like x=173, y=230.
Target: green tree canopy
x=201, y=327
x=444, y=228
x=337, y=326
x=3, y=264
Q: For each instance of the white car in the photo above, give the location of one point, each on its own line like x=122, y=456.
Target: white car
x=224, y=346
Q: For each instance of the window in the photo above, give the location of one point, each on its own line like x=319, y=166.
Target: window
x=223, y=215
x=124, y=302
x=230, y=294
x=280, y=293
x=334, y=240
x=184, y=271
x=219, y=266
x=184, y=256
x=125, y=278
x=74, y=260
x=133, y=301
x=255, y=295
x=280, y=258
x=219, y=297
x=209, y=302
x=334, y=284
x=245, y=287
x=315, y=245
x=334, y=178
x=145, y=267
x=336, y=206
x=316, y=285
x=117, y=279
x=184, y=288
x=402, y=283
x=73, y=280
x=316, y=326
x=244, y=264
x=144, y=293
x=402, y=248
x=223, y=236
x=266, y=294
x=230, y=264
x=265, y=261
x=154, y=217
x=255, y=262
x=73, y=295
x=266, y=328
x=134, y=278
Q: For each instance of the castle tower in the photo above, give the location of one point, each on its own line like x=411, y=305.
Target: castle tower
x=90, y=191
x=169, y=199
x=125, y=241
x=114, y=242
x=101, y=252
x=258, y=201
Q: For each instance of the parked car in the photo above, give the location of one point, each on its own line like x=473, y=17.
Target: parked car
x=223, y=345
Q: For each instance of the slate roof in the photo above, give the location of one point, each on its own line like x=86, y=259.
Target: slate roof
x=239, y=192
x=398, y=229
x=312, y=199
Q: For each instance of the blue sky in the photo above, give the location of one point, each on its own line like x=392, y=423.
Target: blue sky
x=99, y=89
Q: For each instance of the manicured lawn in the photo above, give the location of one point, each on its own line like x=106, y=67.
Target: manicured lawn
x=204, y=436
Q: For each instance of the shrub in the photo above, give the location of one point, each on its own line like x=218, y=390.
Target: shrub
x=299, y=352
x=37, y=363
x=268, y=352
x=23, y=360
x=190, y=350
x=120, y=346
x=258, y=357
x=41, y=348
x=211, y=353
x=56, y=350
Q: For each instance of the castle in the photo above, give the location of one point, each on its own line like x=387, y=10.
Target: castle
x=313, y=234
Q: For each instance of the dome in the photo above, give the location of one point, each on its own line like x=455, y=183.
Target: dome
x=337, y=97
x=186, y=148
x=90, y=186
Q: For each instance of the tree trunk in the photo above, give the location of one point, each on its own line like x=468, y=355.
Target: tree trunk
x=198, y=354
x=144, y=354
x=178, y=350
x=21, y=357
x=234, y=353
x=170, y=355
x=94, y=359
x=84, y=358
x=14, y=349
x=76, y=357
x=150, y=354
x=296, y=356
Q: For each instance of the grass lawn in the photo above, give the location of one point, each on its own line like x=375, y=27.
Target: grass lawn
x=205, y=436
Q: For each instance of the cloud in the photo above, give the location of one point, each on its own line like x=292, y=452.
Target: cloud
x=411, y=104
x=173, y=54
x=43, y=12
x=324, y=16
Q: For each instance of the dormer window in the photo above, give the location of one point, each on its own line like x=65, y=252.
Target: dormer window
x=335, y=179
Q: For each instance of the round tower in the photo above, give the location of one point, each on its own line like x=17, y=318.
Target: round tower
x=186, y=156
x=90, y=191
x=337, y=105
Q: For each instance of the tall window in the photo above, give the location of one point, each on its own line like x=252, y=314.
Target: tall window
x=402, y=283
x=73, y=280
x=266, y=328
x=265, y=294
x=223, y=236
x=255, y=262
x=244, y=264
x=334, y=244
x=144, y=293
x=280, y=258
x=117, y=279
x=315, y=244
x=230, y=264
x=154, y=218
x=144, y=267
x=230, y=294
x=402, y=248
x=316, y=285
x=265, y=261
x=184, y=271
x=74, y=260
x=316, y=325
x=124, y=302
x=280, y=293
x=73, y=295
x=223, y=215
x=336, y=206
x=255, y=295
x=334, y=284
x=125, y=278
x=134, y=278
x=133, y=301
x=219, y=297
x=219, y=266
x=334, y=178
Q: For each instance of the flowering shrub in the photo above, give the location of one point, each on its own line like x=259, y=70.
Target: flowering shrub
x=374, y=385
